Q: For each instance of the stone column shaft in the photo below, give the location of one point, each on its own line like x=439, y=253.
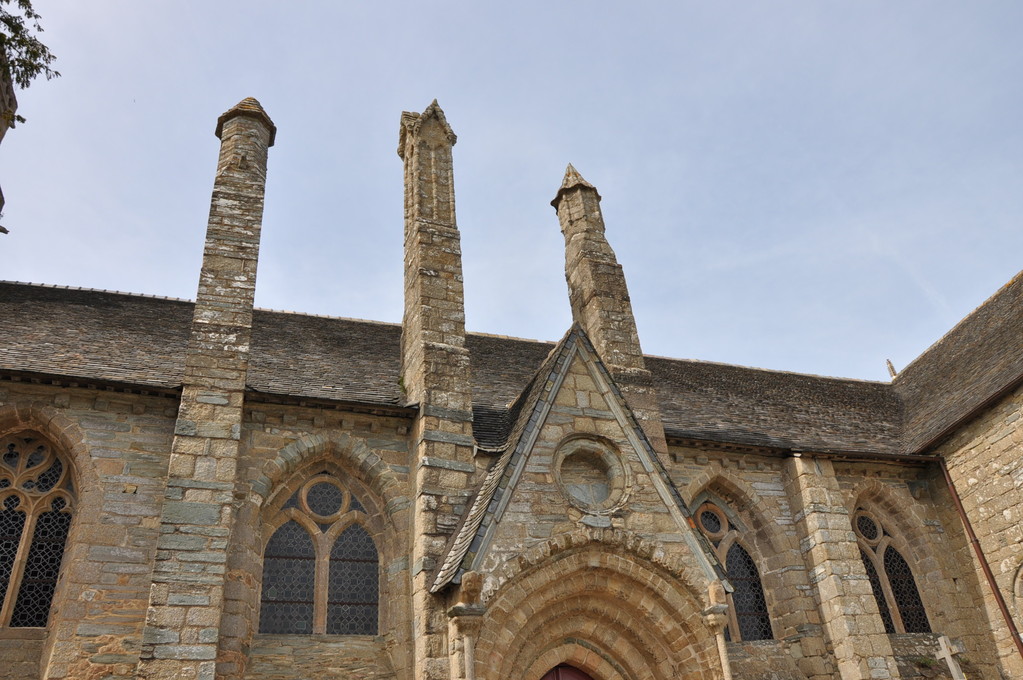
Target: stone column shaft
x=186, y=600
x=600, y=300
x=435, y=370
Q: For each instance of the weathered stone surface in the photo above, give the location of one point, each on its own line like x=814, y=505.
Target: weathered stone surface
x=186, y=448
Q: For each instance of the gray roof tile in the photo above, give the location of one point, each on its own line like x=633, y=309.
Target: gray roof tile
x=138, y=340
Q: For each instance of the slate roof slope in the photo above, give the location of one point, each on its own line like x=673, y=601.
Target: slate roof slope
x=976, y=361
x=757, y=407
x=139, y=340
x=93, y=335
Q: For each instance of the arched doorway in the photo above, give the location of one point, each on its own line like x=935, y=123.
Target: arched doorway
x=564, y=672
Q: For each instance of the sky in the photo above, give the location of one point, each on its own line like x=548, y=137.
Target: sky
x=796, y=185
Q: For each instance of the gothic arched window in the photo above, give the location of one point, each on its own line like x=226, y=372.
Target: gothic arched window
x=36, y=500
x=320, y=565
x=902, y=610
x=747, y=611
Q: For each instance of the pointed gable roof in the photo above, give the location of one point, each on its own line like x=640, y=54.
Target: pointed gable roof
x=529, y=413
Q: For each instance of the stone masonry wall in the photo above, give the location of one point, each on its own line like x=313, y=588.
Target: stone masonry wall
x=914, y=507
x=985, y=461
x=291, y=444
x=753, y=486
x=120, y=458
x=600, y=595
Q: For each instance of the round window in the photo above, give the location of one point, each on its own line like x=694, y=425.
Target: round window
x=323, y=497
x=591, y=475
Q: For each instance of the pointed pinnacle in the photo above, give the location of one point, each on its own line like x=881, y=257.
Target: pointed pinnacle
x=435, y=111
x=251, y=108
x=411, y=122
x=572, y=180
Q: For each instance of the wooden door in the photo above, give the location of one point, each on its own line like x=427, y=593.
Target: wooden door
x=563, y=672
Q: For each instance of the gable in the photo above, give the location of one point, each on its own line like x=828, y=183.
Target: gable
x=577, y=456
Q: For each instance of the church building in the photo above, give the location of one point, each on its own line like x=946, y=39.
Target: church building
x=207, y=491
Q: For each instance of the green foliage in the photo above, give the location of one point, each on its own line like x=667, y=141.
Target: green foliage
x=26, y=58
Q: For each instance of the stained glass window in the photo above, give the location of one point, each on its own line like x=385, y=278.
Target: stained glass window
x=353, y=588
x=902, y=610
x=36, y=501
x=875, y=585
x=747, y=611
x=748, y=598
x=907, y=597
x=320, y=567
x=289, y=573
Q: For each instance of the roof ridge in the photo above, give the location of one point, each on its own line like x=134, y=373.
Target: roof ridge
x=1015, y=280
x=766, y=370
x=325, y=316
x=500, y=336
x=86, y=289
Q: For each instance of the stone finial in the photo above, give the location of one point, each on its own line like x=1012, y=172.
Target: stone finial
x=572, y=180
x=412, y=123
x=250, y=108
x=600, y=301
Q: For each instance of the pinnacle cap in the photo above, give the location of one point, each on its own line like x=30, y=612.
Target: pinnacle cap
x=250, y=108
x=572, y=180
x=411, y=122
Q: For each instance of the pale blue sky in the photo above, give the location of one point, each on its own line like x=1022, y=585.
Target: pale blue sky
x=803, y=185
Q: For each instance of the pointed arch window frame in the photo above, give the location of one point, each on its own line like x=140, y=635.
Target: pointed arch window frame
x=20, y=481
x=875, y=550
x=323, y=540
x=722, y=542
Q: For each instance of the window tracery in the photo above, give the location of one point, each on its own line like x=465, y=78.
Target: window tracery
x=36, y=502
x=320, y=564
x=891, y=579
x=747, y=611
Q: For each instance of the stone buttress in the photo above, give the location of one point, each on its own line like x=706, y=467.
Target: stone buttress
x=183, y=620
x=849, y=613
x=435, y=371
x=600, y=300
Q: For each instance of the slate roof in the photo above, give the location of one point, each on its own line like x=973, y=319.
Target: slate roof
x=735, y=404
x=81, y=334
x=977, y=361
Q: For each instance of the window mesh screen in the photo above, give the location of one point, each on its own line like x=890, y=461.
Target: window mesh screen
x=875, y=585
x=353, y=584
x=907, y=597
x=867, y=527
x=289, y=576
x=42, y=567
x=748, y=598
x=35, y=517
x=324, y=499
x=710, y=521
x=12, y=523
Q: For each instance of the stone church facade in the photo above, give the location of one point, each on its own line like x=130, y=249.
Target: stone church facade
x=205, y=490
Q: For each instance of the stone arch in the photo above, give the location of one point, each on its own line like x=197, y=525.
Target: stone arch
x=585, y=657
x=744, y=501
x=1017, y=591
x=909, y=536
x=350, y=452
x=757, y=537
x=910, y=540
x=607, y=602
x=62, y=431
x=614, y=539
x=347, y=456
x=69, y=437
